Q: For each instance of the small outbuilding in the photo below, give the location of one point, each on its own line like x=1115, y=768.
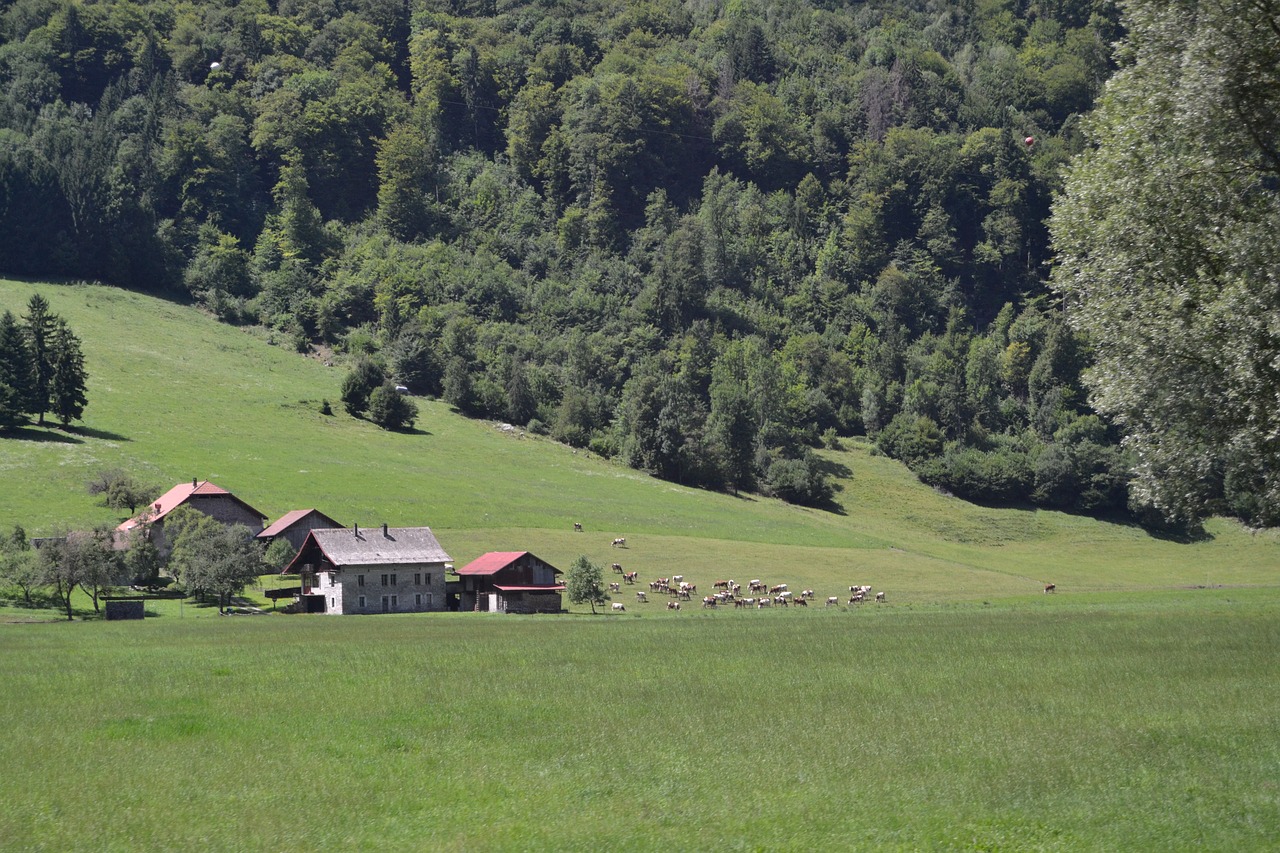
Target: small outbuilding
x=510, y=582
x=378, y=570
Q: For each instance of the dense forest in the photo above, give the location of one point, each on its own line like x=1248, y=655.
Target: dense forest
x=701, y=237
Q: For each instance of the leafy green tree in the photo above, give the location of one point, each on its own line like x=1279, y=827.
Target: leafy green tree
x=218, y=562
x=1167, y=255
x=20, y=566
x=584, y=583
x=278, y=554
x=365, y=377
x=390, y=409
x=119, y=490
x=142, y=561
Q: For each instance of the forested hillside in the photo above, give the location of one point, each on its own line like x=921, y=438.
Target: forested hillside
x=701, y=237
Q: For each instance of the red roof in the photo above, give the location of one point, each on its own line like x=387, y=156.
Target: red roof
x=288, y=520
x=175, y=498
x=491, y=563
x=556, y=588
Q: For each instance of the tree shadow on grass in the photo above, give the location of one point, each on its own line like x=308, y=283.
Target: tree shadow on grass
x=92, y=432
x=44, y=435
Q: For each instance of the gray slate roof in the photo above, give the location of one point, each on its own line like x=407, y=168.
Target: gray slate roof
x=367, y=546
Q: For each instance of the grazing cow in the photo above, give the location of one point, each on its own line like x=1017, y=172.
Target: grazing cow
x=1051, y=587
x=756, y=586
x=808, y=593
x=735, y=589
x=720, y=585
x=774, y=590
x=640, y=596
x=709, y=601
x=619, y=543
x=880, y=597
x=618, y=607
x=617, y=567
x=613, y=587
x=831, y=599
x=747, y=602
x=630, y=577
x=802, y=602
x=764, y=602
x=577, y=526
x=677, y=579
x=857, y=598
x=673, y=605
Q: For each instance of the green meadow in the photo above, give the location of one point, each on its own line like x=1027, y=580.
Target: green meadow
x=1134, y=709
x=1077, y=723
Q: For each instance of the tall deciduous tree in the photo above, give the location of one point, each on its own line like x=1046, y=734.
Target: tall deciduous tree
x=1168, y=258
x=585, y=583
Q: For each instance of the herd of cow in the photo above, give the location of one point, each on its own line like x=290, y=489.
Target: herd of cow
x=728, y=593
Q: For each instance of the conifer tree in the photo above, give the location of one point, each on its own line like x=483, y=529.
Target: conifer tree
x=40, y=332
x=17, y=378
x=67, y=396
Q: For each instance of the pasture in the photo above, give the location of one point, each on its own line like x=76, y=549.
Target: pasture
x=1088, y=722
x=1135, y=708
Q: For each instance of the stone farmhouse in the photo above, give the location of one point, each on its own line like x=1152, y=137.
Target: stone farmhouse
x=212, y=500
x=510, y=582
x=383, y=570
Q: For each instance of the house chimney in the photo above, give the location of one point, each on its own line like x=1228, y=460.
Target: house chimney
x=384, y=530
x=193, y=482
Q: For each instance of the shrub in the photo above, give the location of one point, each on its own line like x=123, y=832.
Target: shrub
x=390, y=409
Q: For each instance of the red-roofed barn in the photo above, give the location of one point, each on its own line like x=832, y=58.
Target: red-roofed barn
x=214, y=501
x=510, y=582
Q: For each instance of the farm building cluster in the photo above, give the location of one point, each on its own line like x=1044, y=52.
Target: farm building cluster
x=355, y=570
x=346, y=570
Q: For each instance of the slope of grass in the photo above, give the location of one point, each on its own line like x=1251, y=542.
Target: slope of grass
x=174, y=395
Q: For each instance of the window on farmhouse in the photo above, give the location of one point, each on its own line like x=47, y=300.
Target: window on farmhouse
x=393, y=579
x=394, y=600
x=362, y=602
x=417, y=599
x=428, y=578
x=384, y=580
x=417, y=578
x=359, y=580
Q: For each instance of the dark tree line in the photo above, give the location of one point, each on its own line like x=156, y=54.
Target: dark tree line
x=703, y=239
x=41, y=367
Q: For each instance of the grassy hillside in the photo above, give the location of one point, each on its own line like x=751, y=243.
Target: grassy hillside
x=175, y=395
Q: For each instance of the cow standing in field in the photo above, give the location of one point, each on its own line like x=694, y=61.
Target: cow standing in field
x=630, y=577
x=880, y=598
x=673, y=605
x=619, y=543
x=577, y=527
x=614, y=587
x=640, y=596
x=618, y=607
x=831, y=599
x=1051, y=587
x=617, y=568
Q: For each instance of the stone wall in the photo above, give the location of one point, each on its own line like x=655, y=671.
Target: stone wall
x=343, y=590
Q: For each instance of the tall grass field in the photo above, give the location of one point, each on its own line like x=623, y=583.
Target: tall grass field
x=1138, y=708
x=1063, y=725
